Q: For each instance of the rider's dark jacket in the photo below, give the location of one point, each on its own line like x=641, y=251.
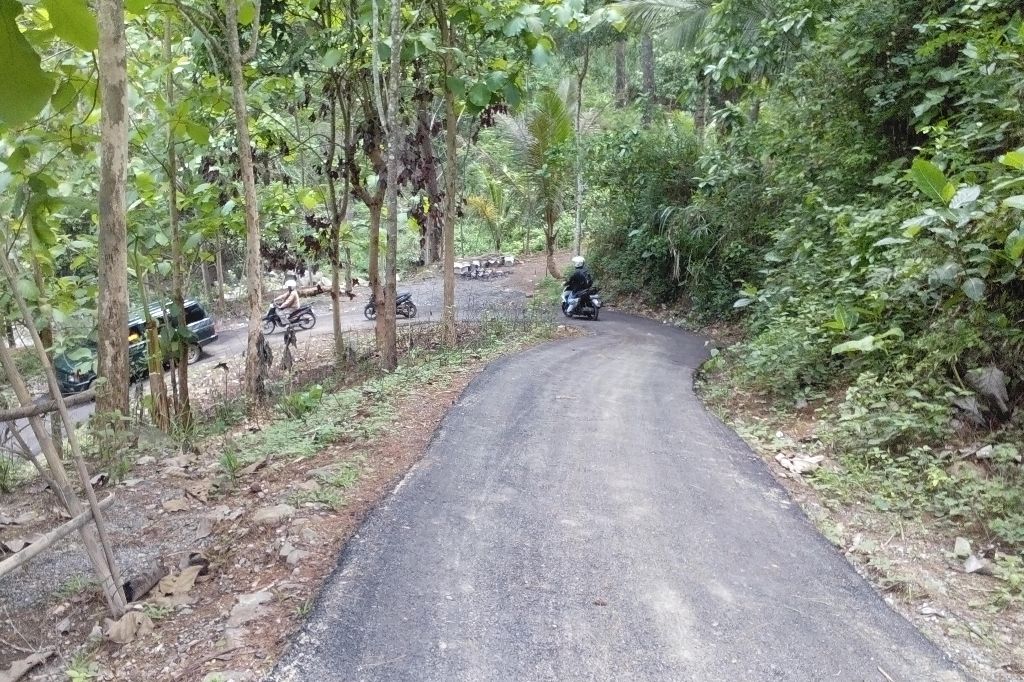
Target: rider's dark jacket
x=580, y=280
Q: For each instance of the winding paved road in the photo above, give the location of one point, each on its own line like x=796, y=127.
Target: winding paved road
x=580, y=516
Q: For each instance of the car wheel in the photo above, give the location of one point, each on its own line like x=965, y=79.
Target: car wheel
x=194, y=353
x=370, y=311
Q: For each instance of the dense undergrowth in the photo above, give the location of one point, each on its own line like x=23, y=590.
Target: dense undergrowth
x=857, y=205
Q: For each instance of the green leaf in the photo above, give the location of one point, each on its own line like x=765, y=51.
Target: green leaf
x=73, y=22
x=541, y=55
x=974, y=288
x=512, y=94
x=43, y=234
x=246, y=12
x=930, y=180
x=332, y=58
x=309, y=200
x=1015, y=244
x=480, y=95
x=64, y=97
x=426, y=39
x=515, y=26
x=200, y=134
x=496, y=80
x=863, y=345
x=1014, y=159
x=456, y=86
x=137, y=6
x=24, y=87
x=1016, y=201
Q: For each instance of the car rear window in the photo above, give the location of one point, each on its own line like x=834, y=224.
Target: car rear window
x=194, y=313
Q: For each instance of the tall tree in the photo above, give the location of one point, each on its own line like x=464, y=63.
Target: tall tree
x=540, y=144
x=112, y=303
x=395, y=133
x=254, y=384
x=234, y=59
x=647, y=71
x=183, y=404
x=621, y=75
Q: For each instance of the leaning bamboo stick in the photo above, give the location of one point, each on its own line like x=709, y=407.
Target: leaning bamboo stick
x=13, y=563
x=115, y=590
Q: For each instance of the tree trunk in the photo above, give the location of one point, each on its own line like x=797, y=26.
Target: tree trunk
x=647, y=68
x=549, y=241
x=204, y=270
x=182, y=402
x=578, y=217
x=449, y=334
x=348, y=270
x=374, y=270
x=112, y=269
x=621, y=75
x=338, y=214
x=389, y=345
x=700, y=116
x=220, y=269
x=9, y=333
x=157, y=387
x=255, y=390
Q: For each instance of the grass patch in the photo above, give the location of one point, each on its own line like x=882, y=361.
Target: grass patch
x=316, y=417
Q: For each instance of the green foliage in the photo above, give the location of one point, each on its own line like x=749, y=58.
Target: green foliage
x=297, y=405
x=861, y=185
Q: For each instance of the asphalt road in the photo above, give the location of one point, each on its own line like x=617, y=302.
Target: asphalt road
x=580, y=516
x=472, y=297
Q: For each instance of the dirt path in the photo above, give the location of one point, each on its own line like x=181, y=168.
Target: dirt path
x=597, y=522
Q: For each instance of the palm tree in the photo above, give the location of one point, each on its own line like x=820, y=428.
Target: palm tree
x=494, y=207
x=724, y=32
x=541, y=141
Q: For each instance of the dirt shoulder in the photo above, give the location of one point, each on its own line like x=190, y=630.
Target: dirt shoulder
x=915, y=561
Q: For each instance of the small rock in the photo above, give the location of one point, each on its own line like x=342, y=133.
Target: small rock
x=143, y=461
x=248, y=608
x=295, y=556
x=272, y=516
x=973, y=564
x=962, y=548
x=229, y=676
x=984, y=453
x=64, y=627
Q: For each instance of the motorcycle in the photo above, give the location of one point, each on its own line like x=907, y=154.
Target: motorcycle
x=302, y=317
x=405, y=307
x=588, y=303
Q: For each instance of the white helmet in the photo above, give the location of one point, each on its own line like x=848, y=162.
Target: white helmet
x=578, y=261
x=290, y=283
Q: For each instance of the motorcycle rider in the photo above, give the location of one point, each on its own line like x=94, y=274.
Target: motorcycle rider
x=288, y=302
x=579, y=281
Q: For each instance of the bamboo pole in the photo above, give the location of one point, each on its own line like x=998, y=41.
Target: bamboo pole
x=114, y=591
x=11, y=564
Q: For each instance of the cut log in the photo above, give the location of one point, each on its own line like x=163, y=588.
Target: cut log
x=46, y=406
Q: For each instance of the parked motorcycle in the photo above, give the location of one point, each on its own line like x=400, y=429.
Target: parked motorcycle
x=406, y=308
x=302, y=317
x=588, y=303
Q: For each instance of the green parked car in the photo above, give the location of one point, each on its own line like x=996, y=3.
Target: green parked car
x=76, y=369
